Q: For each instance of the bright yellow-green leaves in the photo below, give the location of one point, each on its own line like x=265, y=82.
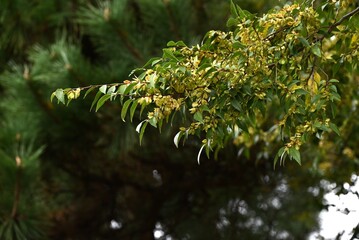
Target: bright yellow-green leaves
x=265, y=81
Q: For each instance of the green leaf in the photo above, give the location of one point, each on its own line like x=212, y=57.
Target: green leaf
x=103, y=89
x=236, y=104
x=59, y=93
x=111, y=90
x=102, y=100
x=334, y=128
x=153, y=121
x=198, y=117
x=141, y=129
x=122, y=89
x=180, y=44
x=177, y=138
x=152, y=62
x=304, y=41
x=208, y=147
x=98, y=95
x=295, y=154
x=133, y=109
x=68, y=102
x=316, y=50
x=236, y=11
x=231, y=22
x=89, y=90
x=129, y=88
x=171, y=44
x=167, y=53
x=199, y=154
x=279, y=154
x=124, y=109
x=155, y=62
x=143, y=106
x=233, y=9
x=300, y=92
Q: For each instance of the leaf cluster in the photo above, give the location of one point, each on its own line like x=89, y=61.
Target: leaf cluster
x=227, y=87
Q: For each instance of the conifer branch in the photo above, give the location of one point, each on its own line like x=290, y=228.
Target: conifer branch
x=38, y=96
x=42, y=104
x=134, y=51
x=17, y=188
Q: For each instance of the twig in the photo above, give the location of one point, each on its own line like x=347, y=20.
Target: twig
x=346, y=16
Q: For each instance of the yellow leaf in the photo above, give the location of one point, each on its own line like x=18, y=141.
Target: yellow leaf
x=317, y=78
x=354, y=40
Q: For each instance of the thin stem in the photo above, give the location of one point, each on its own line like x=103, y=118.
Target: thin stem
x=345, y=17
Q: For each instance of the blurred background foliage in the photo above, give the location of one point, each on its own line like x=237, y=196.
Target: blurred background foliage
x=68, y=173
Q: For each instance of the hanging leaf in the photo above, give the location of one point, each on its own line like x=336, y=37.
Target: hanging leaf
x=129, y=88
x=153, y=121
x=177, y=138
x=102, y=100
x=122, y=89
x=334, y=128
x=295, y=154
x=89, y=90
x=124, y=109
x=98, y=95
x=142, y=131
x=199, y=154
x=133, y=109
x=278, y=155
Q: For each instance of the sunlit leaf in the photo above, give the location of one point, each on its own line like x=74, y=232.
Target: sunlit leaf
x=199, y=154
x=111, y=90
x=103, y=89
x=59, y=93
x=177, y=138
x=278, y=155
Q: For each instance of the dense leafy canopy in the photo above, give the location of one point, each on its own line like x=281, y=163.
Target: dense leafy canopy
x=267, y=80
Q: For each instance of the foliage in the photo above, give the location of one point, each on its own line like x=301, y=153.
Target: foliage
x=267, y=80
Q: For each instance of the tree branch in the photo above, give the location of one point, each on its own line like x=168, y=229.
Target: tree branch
x=345, y=17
